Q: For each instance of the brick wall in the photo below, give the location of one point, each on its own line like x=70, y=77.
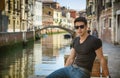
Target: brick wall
x=106, y=36
x=10, y=38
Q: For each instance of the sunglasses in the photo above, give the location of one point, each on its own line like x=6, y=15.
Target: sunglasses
x=81, y=27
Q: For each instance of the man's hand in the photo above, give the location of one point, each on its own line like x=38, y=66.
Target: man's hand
x=108, y=76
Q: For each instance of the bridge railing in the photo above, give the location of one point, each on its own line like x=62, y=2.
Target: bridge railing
x=71, y=31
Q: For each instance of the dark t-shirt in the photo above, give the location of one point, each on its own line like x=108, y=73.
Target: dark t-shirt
x=85, y=52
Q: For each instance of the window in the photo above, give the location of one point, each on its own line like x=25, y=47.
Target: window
x=104, y=23
x=110, y=22
x=9, y=6
x=49, y=13
x=118, y=21
x=9, y=21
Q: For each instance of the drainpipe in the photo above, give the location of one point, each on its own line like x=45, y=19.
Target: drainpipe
x=113, y=24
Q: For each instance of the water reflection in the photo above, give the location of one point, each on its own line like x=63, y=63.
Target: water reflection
x=53, y=49
x=16, y=63
x=40, y=58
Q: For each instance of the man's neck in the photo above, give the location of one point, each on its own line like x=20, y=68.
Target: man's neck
x=82, y=38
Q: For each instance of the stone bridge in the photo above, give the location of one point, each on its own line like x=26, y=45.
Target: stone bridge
x=72, y=32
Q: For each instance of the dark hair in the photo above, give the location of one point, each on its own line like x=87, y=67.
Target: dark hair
x=81, y=19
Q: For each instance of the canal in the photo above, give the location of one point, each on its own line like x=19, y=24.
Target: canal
x=39, y=58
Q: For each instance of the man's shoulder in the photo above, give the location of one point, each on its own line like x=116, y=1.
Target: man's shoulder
x=93, y=38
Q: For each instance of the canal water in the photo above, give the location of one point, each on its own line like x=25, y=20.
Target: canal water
x=39, y=58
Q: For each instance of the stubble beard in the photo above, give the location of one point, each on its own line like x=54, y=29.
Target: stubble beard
x=83, y=34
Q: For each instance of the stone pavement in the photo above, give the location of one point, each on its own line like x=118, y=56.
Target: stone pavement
x=113, y=58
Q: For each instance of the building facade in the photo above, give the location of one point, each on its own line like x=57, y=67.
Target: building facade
x=37, y=12
x=116, y=21
x=47, y=16
x=105, y=15
x=19, y=13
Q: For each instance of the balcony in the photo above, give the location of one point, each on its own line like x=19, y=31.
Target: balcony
x=89, y=10
x=108, y=4
x=116, y=1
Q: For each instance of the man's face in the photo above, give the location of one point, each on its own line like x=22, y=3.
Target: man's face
x=80, y=28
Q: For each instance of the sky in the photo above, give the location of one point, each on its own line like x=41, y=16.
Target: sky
x=73, y=4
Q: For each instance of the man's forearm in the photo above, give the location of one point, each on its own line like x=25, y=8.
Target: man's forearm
x=71, y=57
x=104, y=67
x=69, y=62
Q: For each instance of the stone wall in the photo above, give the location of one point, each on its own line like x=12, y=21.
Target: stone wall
x=16, y=37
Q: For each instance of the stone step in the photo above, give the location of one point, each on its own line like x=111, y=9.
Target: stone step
x=37, y=76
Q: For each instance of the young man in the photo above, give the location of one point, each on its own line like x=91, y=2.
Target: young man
x=83, y=52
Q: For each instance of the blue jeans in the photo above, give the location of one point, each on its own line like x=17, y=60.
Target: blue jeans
x=69, y=72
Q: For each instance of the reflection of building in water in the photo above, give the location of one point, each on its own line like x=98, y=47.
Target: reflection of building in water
x=47, y=46
x=56, y=44
x=50, y=46
x=37, y=53
x=18, y=64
